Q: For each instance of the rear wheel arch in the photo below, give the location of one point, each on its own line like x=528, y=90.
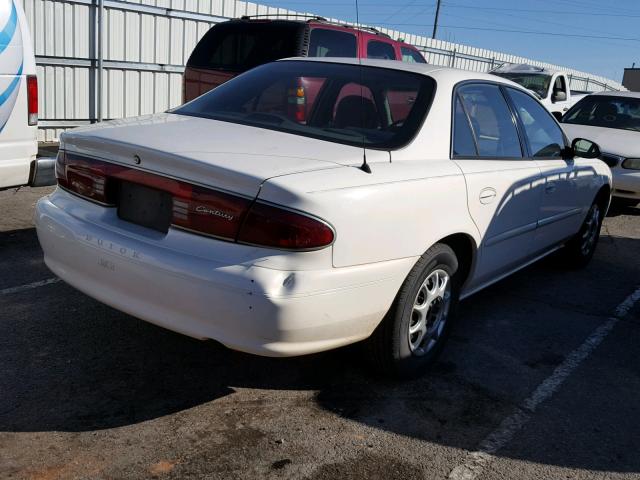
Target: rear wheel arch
x=465, y=248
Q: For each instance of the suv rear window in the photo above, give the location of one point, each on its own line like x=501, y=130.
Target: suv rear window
x=341, y=103
x=332, y=43
x=239, y=46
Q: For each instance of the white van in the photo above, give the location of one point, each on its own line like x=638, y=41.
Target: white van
x=19, y=104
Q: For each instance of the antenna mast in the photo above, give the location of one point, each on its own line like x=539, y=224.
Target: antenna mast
x=365, y=166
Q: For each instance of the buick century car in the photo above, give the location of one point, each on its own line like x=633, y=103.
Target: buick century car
x=402, y=189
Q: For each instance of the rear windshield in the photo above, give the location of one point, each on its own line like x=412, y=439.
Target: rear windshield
x=332, y=43
x=238, y=46
x=351, y=104
x=606, y=111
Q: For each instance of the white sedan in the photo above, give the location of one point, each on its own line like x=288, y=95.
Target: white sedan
x=310, y=204
x=612, y=119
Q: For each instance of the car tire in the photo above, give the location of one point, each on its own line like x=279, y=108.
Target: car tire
x=580, y=249
x=416, y=327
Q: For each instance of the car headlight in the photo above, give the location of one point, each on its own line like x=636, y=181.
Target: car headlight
x=631, y=163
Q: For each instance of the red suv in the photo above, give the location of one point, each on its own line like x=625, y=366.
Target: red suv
x=232, y=47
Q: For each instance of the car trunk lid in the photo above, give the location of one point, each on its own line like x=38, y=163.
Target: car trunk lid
x=217, y=154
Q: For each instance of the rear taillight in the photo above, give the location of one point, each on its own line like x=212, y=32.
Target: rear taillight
x=211, y=212
x=32, y=99
x=198, y=209
x=272, y=226
x=86, y=177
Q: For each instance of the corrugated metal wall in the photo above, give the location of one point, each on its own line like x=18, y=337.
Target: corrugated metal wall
x=146, y=44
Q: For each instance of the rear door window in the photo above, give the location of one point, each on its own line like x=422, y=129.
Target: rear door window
x=493, y=124
x=332, y=43
x=380, y=50
x=543, y=133
x=409, y=55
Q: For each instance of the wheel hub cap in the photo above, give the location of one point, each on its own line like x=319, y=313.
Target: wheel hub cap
x=430, y=312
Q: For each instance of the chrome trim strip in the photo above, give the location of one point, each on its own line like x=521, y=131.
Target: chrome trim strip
x=501, y=237
x=559, y=216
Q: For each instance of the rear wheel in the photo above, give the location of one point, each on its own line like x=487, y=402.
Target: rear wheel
x=416, y=327
x=579, y=250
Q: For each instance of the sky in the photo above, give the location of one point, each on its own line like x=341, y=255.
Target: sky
x=596, y=36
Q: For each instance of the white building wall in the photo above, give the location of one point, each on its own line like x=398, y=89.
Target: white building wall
x=146, y=44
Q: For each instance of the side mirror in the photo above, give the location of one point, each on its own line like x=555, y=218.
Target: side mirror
x=585, y=148
x=559, y=96
x=558, y=115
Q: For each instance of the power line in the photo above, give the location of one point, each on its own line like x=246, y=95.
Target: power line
x=462, y=6
x=400, y=10
x=545, y=12
x=529, y=32
x=527, y=19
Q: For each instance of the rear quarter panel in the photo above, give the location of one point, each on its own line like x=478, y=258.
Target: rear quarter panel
x=398, y=211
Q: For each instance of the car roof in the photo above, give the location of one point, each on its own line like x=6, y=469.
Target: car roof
x=617, y=94
x=450, y=75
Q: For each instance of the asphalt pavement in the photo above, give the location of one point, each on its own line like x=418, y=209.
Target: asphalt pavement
x=540, y=380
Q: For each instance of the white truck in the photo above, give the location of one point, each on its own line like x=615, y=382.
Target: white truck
x=552, y=87
x=19, y=164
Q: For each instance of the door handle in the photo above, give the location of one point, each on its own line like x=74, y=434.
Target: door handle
x=487, y=195
x=550, y=187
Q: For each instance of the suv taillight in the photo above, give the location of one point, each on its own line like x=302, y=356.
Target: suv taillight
x=32, y=99
x=297, y=103
x=198, y=209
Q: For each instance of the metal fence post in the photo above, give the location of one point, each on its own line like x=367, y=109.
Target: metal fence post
x=493, y=63
x=100, y=69
x=587, y=87
x=452, y=62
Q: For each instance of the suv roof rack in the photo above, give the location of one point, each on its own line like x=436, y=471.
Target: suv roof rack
x=301, y=15
x=319, y=19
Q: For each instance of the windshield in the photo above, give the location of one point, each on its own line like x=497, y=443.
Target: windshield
x=342, y=103
x=606, y=111
x=536, y=82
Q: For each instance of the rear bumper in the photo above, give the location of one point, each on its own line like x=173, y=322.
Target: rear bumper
x=244, y=306
x=43, y=172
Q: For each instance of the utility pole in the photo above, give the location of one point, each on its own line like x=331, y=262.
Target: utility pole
x=435, y=23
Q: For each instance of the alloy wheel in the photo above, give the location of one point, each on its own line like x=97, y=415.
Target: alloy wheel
x=430, y=312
